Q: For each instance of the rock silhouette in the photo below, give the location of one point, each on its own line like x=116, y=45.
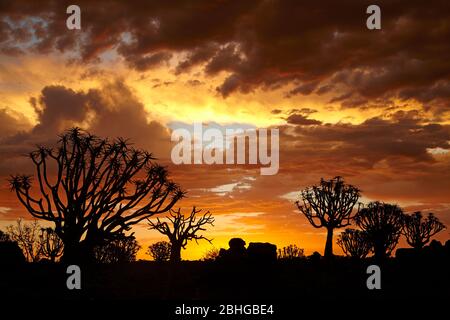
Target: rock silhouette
x=262, y=252
x=236, y=251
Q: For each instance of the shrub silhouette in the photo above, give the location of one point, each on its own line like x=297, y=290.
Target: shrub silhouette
x=26, y=235
x=120, y=250
x=50, y=244
x=290, y=252
x=211, y=255
x=329, y=205
x=419, y=230
x=182, y=229
x=98, y=190
x=354, y=243
x=383, y=225
x=160, y=251
x=10, y=252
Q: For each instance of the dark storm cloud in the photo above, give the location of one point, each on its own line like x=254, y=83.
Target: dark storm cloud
x=11, y=123
x=402, y=135
x=143, y=63
x=58, y=106
x=261, y=44
x=112, y=111
x=300, y=119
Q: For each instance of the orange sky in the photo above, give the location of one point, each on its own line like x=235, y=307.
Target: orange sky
x=370, y=106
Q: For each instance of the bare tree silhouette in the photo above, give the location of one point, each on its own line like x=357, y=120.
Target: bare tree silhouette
x=160, y=251
x=119, y=250
x=184, y=229
x=51, y=245
x=27, y=237
x=290, y=252
x=383, y=225
x=97, y=189
x=354, y=243
x=418, y=230
x=329, y=205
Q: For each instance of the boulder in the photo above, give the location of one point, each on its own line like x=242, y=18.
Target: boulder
x=262, y=251
x=236, y=251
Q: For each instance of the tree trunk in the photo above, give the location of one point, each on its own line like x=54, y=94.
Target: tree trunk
x=175, y=252
x=379, y=252
x=329, y=244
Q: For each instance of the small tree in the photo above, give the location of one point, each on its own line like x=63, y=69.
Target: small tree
x=51, y=245
x=418, y=230
x=383, y=225
x=183, y=229
x=329, y=205
x=160, y=251
x=354, y=243
x=27, y=237
x=290, y=252
x=123, y=249
x=93, y=189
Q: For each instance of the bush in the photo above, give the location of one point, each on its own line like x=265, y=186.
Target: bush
x=290, y=252
x=10, y=252
x=160, y=251
x=211, y=255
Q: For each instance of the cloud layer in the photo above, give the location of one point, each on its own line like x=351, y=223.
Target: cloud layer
x=312, y=47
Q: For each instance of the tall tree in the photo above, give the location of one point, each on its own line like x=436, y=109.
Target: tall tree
x=419, y=230
x=51, y=245
x=182, y=229
x=27, y=237
x=329, y=205
x=354, y=243
x=383, y=225
x=93, y=189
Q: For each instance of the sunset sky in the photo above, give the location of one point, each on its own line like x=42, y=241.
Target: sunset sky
x=372, y=106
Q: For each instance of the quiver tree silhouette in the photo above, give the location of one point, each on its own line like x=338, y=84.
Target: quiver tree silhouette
x=51, y=245
x=122, y=249
x=329, y=205
x=93, y=189
x=383, y=225
x=182, y=229
x=354, y=243
x=26, y=235
x=418, y=230
x=160, y=251
x=290, y=252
